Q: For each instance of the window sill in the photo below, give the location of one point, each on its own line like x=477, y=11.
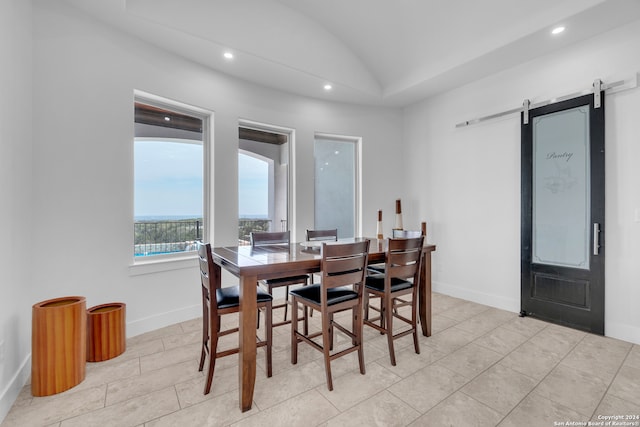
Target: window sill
x=160, y=264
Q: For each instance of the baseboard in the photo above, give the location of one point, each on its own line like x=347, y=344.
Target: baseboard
x=622, y=331
x=12, y=390
x=140, y=326
x=496, y=301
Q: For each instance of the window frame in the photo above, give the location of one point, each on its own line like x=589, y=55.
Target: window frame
x=177, y=260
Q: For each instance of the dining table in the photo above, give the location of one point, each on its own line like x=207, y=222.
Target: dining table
x=251, y=265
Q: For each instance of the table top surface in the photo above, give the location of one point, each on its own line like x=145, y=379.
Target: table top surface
x=304, y=254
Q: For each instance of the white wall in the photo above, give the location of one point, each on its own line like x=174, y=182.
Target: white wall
x=469, y=178
x=84, y=78
x=17, y=250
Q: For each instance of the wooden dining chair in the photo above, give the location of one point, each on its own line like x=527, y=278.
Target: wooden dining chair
x=320, y=235
x=344, y=269
x=401, y=278
x=396, y=234
x=218, y=301
x=278, y=241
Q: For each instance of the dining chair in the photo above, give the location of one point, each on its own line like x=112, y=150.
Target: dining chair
x=218, y=301
x=396, y=234
x=401, y=277
x=280, y=239
x=320, y=235
x=343, y=271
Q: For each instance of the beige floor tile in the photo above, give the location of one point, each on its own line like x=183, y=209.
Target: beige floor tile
x=53, y=409
x=353, y=388
x=470, y=360
x=441, y=303
x=526, y=325
x=501, y=340
x=173, y=341
x=131, y=412
x=170, y=357
x=101, y=373
x=151, y=381
x=192, y=391
x=383, y=409
x=598, y=356
x=459, y=410
x=535, y=410
x=633, y=359
x=427, y=387
x=139, y=349
x=626, y=385
x=285, y=385
x=465, y=310
x=308, y=408
x=193, y=325
x=574, y=389
x=558, y=339
x=450, y=340
x=500, y=388
x=221, y=410
x=486, y=321
x=175, y=329
x=531, y=360
x=612, y=405
x=439, y=323
x=408, y=362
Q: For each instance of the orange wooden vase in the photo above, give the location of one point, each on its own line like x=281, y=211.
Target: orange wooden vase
x=106, y=336
x=58, y=345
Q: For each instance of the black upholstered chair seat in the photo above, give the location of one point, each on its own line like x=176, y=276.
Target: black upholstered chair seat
x=334, y=295
x=377, y=268
x=230, y=297
x=376, y=282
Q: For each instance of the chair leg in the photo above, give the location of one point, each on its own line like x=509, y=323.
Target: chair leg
x=205, y=335
x=388, y=302
x=365, y=303
x=358, y=331
x=294, y=331
x=327, y=342
x=414, y=322
x=212, y=364
x=268, y=330
x=330, y=331
x=305, y=313
x=286, y=302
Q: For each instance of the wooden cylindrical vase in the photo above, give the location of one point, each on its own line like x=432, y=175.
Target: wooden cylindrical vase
x=106, y=332
x=58, y=345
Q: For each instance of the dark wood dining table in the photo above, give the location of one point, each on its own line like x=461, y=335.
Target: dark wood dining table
x=269, y=262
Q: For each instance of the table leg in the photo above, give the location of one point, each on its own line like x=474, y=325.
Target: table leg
x=247, y=340
x=424, y=305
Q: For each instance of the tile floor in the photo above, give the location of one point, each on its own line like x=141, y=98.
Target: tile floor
x=481, y=367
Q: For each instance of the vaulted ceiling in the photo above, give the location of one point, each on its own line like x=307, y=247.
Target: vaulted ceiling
x=377, y=52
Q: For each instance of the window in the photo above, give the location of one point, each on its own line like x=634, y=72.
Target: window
x=170, y=191
x=337, y=184
x=263, y=179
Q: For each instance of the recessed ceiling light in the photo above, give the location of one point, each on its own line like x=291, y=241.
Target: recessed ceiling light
x=557, y=30
x=228, y=55
x=328, y=87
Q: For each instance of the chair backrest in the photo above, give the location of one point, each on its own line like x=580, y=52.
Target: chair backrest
x=265, y=238
x=343, y=265
x=318, y=235
x=403, y=258
x=207, y=275
x=406, y=234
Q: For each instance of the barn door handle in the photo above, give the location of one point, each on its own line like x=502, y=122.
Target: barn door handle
x=596, y=238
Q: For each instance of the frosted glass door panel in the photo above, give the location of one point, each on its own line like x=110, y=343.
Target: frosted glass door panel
x=335, y=186
x=561, y=188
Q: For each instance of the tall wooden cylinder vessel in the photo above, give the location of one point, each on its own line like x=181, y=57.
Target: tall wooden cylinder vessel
x=106, y=335
x=58, y=345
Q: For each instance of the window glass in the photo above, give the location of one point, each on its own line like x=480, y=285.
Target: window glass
x=168, y=182
x=335, y=185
